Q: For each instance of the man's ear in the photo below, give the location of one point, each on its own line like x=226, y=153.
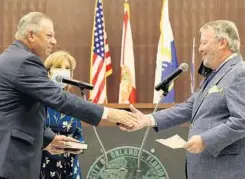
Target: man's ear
x=223, y=44
x=30, y=36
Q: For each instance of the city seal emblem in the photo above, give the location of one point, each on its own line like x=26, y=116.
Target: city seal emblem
x=123, y=164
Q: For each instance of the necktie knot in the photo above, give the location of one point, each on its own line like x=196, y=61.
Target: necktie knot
x=209, y=78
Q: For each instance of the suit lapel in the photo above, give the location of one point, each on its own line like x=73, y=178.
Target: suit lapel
x=220, y=74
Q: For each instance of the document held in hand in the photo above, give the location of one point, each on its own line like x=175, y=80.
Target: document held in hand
x=174, y=142
x=76, y=146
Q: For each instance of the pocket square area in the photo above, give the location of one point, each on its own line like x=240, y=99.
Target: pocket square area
x=215, y=89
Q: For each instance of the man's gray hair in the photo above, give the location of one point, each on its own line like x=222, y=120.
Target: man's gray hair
x=30, y=21
x=225, y=30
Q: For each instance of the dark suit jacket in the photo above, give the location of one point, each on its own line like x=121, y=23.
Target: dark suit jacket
x=24, y=91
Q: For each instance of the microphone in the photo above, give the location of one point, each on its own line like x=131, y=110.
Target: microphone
x=182, y=68
x=73, y=82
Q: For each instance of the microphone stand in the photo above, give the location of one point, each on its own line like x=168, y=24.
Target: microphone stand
x=165, y=90
x=95, y=131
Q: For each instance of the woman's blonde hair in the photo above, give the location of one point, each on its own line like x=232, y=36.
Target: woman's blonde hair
x=58, y=58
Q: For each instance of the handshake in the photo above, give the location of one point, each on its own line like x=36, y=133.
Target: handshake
x=130, y=121
x=127, y=121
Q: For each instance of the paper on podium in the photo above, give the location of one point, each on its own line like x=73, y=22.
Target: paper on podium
x=174, y=142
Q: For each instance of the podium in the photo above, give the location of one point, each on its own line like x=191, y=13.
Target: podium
x=157, y=161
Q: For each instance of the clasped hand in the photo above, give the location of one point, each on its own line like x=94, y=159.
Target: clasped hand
x=123, y=117
x=143, y=121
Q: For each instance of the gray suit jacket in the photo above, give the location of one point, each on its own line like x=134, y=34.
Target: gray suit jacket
x=218, y=115
x=24, y=91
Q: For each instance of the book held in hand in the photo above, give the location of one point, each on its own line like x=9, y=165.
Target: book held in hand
x=76, y=146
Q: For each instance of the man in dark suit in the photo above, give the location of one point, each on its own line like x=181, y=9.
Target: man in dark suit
x=24, y=91
x=216, y=141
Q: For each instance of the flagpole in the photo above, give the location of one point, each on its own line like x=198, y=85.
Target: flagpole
x=194, y=79
x=192, y=71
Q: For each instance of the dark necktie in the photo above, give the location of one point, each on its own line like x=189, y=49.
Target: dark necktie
x=209, y=78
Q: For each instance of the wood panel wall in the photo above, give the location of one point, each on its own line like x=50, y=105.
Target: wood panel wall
x=73, y=21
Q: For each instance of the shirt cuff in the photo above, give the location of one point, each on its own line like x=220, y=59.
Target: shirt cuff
x=152, y=120
x=105, y=113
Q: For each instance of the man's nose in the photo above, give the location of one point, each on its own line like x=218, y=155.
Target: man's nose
x=53, y=41
x=200, y=49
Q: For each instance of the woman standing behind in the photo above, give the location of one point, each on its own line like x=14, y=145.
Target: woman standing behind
x=62, y=166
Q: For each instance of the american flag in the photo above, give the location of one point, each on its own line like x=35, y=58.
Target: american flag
x=100, y=66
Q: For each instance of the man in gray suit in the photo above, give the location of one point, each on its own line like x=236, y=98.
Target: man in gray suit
x=25, y=90
x=216, y=143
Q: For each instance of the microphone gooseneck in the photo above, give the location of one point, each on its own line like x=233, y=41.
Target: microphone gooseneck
x=144, y=140
x=98, y=137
